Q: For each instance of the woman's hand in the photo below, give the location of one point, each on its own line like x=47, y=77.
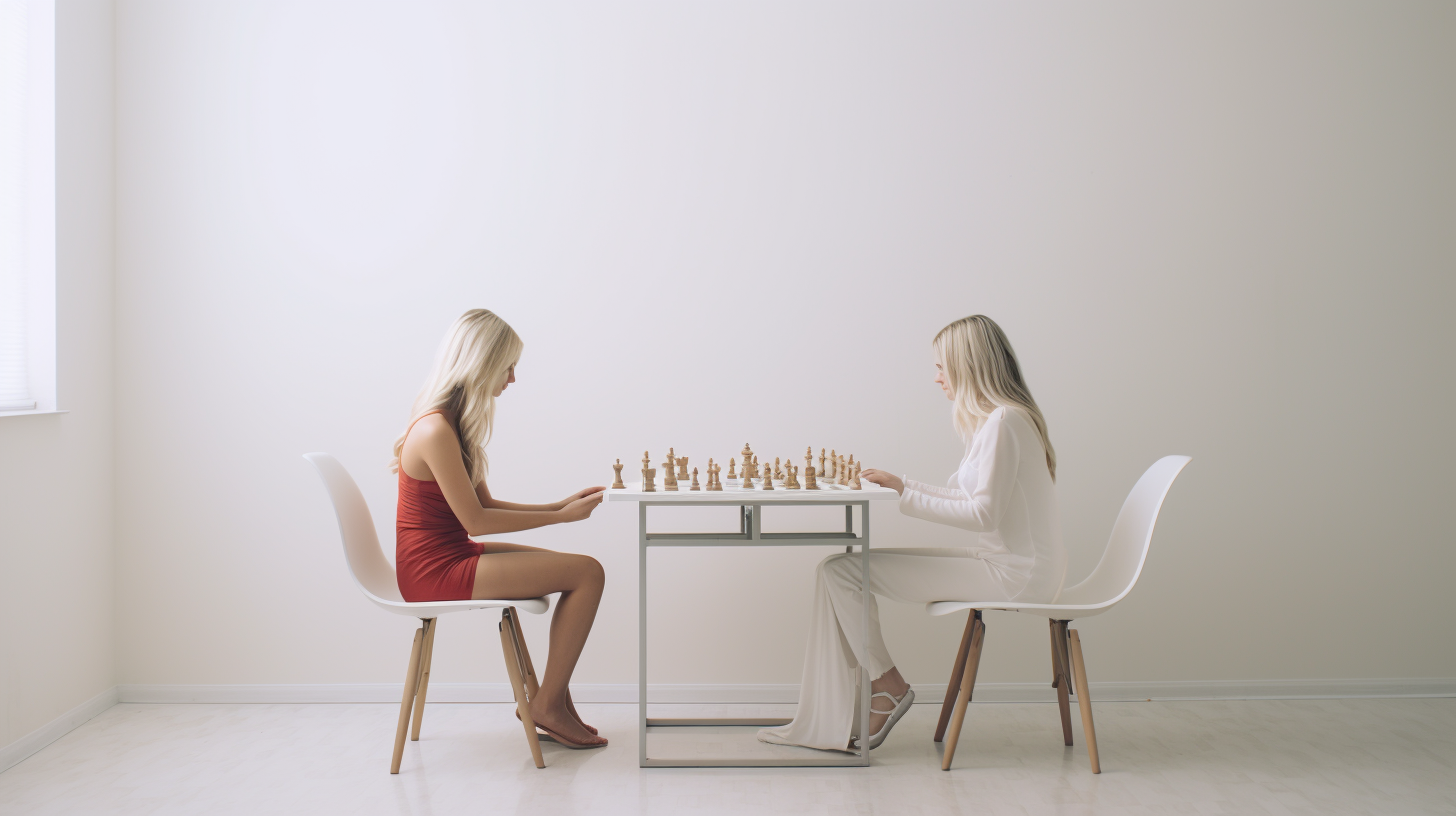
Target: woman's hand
x=580, y=494
x=883, y=479
x=580, y=508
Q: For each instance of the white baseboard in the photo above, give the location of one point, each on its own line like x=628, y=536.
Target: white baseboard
x=789, y=693
x=18, y=751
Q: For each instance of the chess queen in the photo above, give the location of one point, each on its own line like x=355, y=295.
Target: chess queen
x=1001, y=498
x=444, y=500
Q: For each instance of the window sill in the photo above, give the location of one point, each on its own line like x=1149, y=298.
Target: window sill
x=32, y=412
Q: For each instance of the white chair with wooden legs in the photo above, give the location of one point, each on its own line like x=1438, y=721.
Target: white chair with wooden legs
x=375, y=577
x=1111, y=580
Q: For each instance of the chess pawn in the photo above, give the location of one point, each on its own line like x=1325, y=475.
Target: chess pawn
x=682, y=468
x=821, y=463
x=669, y=477
x=715, y=482
x=647, y=474
x=854, y=481
x=695, y=481
x=810, y=483
x=768, y=479
x=731, y=473
x=618, y=484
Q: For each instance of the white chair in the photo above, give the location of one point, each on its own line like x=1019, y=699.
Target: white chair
x=375, y=577
x=1111, y=580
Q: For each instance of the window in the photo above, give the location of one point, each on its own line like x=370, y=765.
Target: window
x=27, y=206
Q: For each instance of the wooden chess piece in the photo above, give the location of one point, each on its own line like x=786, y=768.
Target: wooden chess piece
x=778, y=469
x=821, y=463
x=810, y=482
x=747, y=454
x=682, y=468
x=694, y=485
x=747, y=477
x=854, y=482
x=808, y=462
x=715, y=481
x=669, y=477
x=732, y=474
x=768, y=479
x=647, y=474
x=757, y=474
x=842, y=477
x=617, y=484
x=833, y=462
x=849, y=469
x=791, y=477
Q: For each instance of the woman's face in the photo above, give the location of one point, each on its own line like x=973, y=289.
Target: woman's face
x=943, y=381
x=510, y=378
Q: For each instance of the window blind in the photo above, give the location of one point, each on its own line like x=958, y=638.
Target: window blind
x=14, y=380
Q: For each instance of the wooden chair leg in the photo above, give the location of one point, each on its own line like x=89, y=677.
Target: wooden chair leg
x=518, y=687
x=1059, y=667
x=957, y=669
x=1084, y=701
x=531, y=685
x=967, y=685
x=411, y=676
x=424, y=683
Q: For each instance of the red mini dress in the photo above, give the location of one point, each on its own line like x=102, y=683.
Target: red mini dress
x=434, y=558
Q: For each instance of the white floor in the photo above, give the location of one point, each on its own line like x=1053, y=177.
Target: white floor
x=1279, y=757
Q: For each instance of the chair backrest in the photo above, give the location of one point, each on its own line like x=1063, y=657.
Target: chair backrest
x=1132, y=535
x=371, y=570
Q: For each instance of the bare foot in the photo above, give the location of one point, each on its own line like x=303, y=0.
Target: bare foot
x=561, y=722
x=571, y=706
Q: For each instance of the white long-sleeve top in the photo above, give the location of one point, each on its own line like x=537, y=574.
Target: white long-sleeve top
x=1003, y=493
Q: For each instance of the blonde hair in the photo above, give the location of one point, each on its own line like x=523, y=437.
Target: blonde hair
x=473, y=361
x=984, y=375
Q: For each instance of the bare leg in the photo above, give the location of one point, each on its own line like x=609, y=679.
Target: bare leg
x=891, y=682
x=516, y=572
x=492, y=547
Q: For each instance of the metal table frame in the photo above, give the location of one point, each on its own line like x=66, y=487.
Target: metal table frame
x=750, y=534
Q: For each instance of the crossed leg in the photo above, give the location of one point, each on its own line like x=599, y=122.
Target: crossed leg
x=510, y=571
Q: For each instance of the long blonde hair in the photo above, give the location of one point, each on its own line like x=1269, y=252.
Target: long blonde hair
x=984, y=375
x=473, y=361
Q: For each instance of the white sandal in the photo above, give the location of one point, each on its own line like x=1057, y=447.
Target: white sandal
x=902, y=706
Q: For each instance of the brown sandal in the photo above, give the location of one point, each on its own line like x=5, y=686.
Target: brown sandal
x=545, y=736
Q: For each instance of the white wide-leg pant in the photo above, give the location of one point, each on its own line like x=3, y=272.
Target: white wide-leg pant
x=828, y=689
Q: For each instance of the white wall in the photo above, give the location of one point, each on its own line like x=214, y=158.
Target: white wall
x=1220, y=230
x=56, y=521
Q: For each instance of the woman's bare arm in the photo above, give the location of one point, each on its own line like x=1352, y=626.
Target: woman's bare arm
x=435, y=442
x=482, y=492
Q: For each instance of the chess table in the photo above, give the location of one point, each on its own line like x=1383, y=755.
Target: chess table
x=751, y=507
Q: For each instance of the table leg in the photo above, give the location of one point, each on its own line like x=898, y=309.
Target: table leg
x=864, y=582
x=642, y=634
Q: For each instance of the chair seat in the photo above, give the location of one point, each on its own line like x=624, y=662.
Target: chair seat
x=433, y=609
x=1053, y=611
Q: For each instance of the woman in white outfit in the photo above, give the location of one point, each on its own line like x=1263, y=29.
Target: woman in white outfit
x=1002, y=495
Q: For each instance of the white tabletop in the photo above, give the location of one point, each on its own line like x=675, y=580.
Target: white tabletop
x=733, y=494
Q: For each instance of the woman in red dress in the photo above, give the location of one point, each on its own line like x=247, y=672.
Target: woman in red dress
x=443, y=500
